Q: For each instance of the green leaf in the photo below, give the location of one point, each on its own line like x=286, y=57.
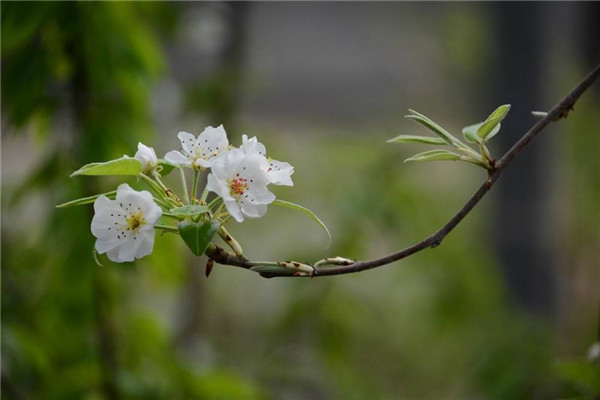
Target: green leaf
x=417, y=139
x=166, y=167
x=120, y=166
x=491, y=126
x=539, y=114
x=189, y=211
x=282, y=203
x=435, y=155
x=197, y=236
x=470, y=133
x=87, y=200
x=435, y=128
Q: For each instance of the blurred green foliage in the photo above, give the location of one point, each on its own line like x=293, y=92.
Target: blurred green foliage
x=78, y=77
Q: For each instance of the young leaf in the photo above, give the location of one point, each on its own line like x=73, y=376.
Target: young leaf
x=490, y=127
x=120, y=166
x=417, y=139
x=306, y=211
x=435, y=155
x=197, y=236
x=87, y=200
x=189, y=211
x=470, y=133
x=435, y=128
x=539, y=114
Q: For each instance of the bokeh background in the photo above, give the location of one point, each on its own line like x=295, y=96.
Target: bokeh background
x=506, y=308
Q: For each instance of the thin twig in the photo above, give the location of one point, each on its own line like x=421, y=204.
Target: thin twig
x=561, y=110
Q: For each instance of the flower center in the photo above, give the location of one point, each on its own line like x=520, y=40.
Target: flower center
x=237, y=186
x=135, y=221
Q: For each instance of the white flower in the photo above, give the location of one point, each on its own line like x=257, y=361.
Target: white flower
x=147, y=157
x=240, y=179
x=125, y=226
x=279, y=172
x=202, y=151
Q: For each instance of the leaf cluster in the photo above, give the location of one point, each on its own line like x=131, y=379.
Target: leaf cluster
x=476, y=134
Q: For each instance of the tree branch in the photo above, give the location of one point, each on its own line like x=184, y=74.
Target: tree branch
x=561, y=110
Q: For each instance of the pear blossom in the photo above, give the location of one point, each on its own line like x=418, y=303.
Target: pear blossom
x=124, y=227
x=147, y=157
x=278, y=172
x=241, y=180
x=202, y=151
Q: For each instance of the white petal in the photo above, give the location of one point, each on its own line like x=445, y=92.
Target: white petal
x=252, y=145
x=188, y=142
x=128, y=248
x=146, y=156
x=254, y=210
x=147, y=243
x=234, y=209
x=219, y=187
x=261, y=196
x=175, y=157
x=279, y=173
x=214, y=138
x=104, y=245
x=113, y=255
x=101, y=203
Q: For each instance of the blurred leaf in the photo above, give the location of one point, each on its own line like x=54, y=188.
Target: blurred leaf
x=120, y=166
x=539, y=114
x=197, y=235
x=435, y=155
x=87, y=200
x=189, y=211
x=581, y=374
x=287, y=204
x=417, y=139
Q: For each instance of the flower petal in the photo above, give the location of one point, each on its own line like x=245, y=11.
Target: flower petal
x=188, y=142
x=234, y=209
x=175, y=157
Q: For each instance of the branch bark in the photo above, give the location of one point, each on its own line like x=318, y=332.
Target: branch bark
x=559, y=111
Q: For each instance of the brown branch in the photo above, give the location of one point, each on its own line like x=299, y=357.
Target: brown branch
x=561, y=110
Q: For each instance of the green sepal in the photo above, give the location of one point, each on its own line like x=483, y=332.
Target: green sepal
x=435, y=155
x=120, y=166
x=197, y=235
x=417, y=139
x=306, y=211
x=189, y=211
x=87, y=200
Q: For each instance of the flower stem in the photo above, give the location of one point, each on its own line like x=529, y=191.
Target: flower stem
x=213, y=203
x=166, y=214
x=162, y=203
x=204, y=195
x=231, y=242
x=166, y=228
x=186, y=194
x=195, y=186
x=153, y=186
